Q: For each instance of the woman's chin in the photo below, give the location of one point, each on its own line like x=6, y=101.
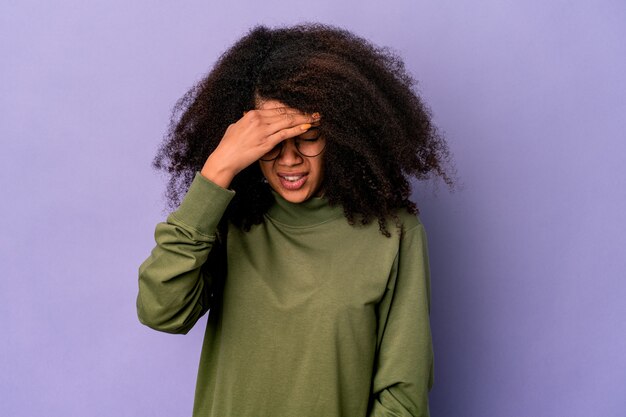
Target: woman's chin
x=297, y=193
x=294, y=196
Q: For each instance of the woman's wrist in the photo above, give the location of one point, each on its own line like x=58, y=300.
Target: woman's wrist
x=217, y=173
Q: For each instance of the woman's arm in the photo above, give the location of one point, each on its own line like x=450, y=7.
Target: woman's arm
x=174, y=287
x=404, y=364
x=172, y=294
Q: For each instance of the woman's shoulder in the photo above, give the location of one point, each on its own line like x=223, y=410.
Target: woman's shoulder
x=406, y=220
x=397, y=224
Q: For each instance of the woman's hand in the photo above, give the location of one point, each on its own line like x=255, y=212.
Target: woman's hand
x=251, y=137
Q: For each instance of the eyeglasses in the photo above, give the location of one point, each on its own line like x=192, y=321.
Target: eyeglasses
x=308, y=144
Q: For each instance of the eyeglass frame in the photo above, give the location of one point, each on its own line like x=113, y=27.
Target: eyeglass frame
x=280, y=145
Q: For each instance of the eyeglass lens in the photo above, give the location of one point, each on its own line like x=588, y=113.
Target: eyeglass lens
x=308, y=144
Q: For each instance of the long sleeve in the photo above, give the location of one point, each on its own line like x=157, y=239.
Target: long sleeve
x=403, y=372
x=174, y=282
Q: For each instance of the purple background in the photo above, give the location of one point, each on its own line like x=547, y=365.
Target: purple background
x=528, y=259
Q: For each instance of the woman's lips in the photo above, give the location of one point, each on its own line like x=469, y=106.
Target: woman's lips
x=292, y=182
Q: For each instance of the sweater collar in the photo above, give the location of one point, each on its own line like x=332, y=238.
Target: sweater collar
x=311, y=212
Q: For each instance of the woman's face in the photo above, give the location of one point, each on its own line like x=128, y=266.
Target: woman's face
x=292, y=175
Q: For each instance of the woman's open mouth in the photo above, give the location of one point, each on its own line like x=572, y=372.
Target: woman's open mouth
x=292, y=181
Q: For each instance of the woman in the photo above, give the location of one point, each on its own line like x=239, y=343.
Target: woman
x=296, y=231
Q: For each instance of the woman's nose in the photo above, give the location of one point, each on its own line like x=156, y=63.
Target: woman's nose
x=289, y=154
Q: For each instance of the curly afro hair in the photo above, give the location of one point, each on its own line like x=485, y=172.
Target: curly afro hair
x=378, y=131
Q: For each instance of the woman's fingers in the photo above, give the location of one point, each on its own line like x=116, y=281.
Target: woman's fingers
x=284, y=123
x=281, y=117
x=256, y=133
x=284, y=134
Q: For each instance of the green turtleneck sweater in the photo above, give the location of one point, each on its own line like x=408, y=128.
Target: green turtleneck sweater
x=314, y=317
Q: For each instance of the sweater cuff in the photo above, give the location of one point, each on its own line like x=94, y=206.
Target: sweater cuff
x=204, y=205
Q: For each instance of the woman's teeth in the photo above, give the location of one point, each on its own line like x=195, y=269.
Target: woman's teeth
x=292, y=182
